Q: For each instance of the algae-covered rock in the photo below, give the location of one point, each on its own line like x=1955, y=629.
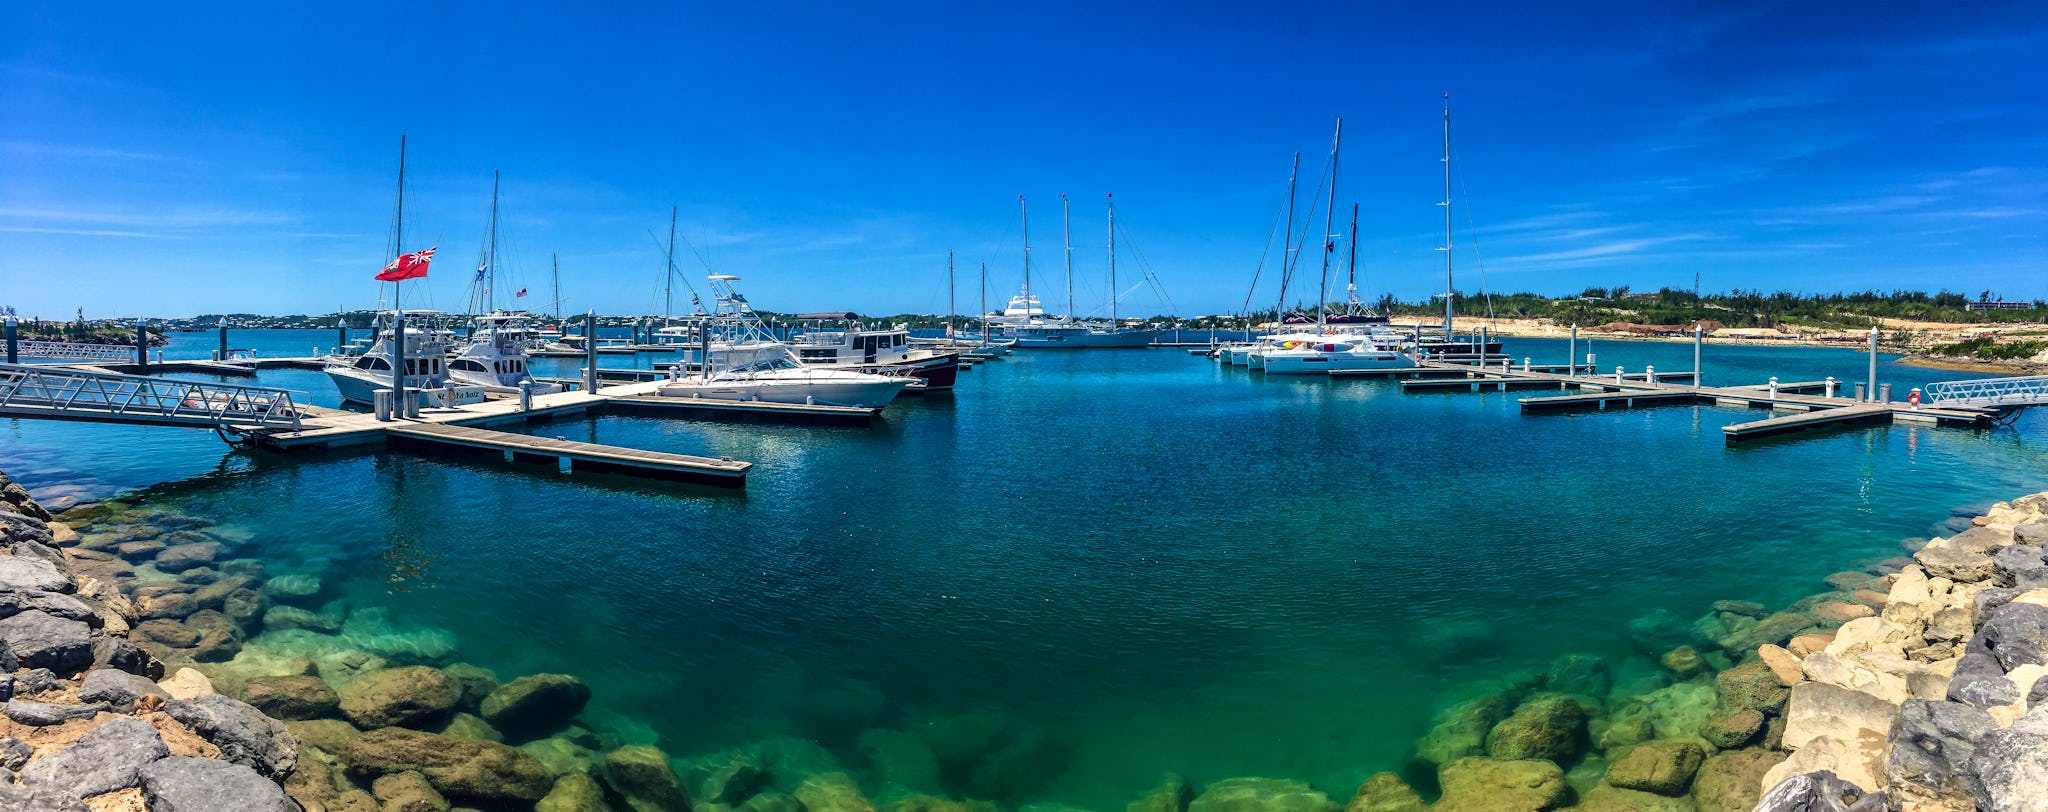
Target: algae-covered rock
x=1665, y=767
x=469, y=726
x=1261, y=795
x=1384, y=792
x=1460, y=730
x=1493, y=785
x=407, y=792
x=1683, y=661
x=292, y=587
x=574, y=792
x=1733, y=781
x=772, y=802
x=330, y=735
x=1752, y=686
x=477, y=684
x=1731, y=730
x=1172, y=795
x=397, y=696
x=291, y=697
x=644, y=776
x=832, y=792
x=1673, y=712
x=459, y=768
x=934, y=803
x=1550, y=727
x=534, y=705
x=1578, y=674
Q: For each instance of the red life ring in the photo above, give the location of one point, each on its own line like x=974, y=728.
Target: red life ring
x=1914, y=398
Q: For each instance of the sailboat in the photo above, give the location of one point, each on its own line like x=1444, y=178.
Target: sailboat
x=397, y=359
x=1451, y=344
x=1024, y=320
x=495, y=356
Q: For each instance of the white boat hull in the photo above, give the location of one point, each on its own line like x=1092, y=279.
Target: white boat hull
x=1294, y=363
x=874, y=390
x=1089, y=339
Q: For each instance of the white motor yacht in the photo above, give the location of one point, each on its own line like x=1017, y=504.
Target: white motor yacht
x=784, y=380
x=495, y=357
x=425, y=359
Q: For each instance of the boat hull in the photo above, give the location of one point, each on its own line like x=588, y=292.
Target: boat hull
x=828, y=393
x=360, y=386
x=1324, y=364
x=939, y=372
x=1123, y=339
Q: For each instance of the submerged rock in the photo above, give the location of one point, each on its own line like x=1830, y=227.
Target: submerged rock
x=1383, y=792
x=1683, y=661
x=1752, y=687
x=292, y=698
x=398, y=696
x=1460, y=730
x=1172, y=795
x=1732, y=781
x=1663, y=767
x=1546, y=727
x=535, y=705
x=1261, y=795
x=1492, y=785
x=461, y=768
x=574, y=792
x=828, y=792
x=644, y=776
x=407, y=792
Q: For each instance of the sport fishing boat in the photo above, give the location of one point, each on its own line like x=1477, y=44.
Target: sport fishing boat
x=425, y=359
x=740, y=360
x=871, y=349
x=495, y=357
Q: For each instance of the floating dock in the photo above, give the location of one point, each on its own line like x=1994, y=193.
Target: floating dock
x=581, y=456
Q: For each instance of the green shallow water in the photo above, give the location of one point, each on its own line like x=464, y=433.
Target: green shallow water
x=1144, y=562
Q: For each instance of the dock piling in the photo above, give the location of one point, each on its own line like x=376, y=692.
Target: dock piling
x=1774, y=387
x=1649, y=374
x=1525, y=363
x=1571, y=355
x=341, y=328
x=1617, y=374
x=1697, y=339
x=590, y=352
x=13, y=341
x=222, y=353
x=1829, y=391
x=1873, y=360
x=526, y=396
x=142, y=345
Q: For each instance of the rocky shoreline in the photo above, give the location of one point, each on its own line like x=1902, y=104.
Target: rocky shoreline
x=148, y=667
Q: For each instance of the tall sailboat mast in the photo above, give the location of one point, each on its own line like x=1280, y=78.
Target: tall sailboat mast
x=1449, y=291
x=1287, y=246
x=984, y=305
x=555, y=277
x=1025, y=212
x=951, y=303
x=1351, y=275
x=1067, y=237
x=1112, y=262
x=397, y=304
x=1329, y=245
x=491, y=258
x=668, y=281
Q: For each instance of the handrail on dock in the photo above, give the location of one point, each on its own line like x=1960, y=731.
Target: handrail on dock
x=77, y=352
x=48, y=391
x=1996, y=393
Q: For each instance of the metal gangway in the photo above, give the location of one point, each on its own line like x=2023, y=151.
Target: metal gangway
x=2004, y=395
x=60, y=393
x=121, y=353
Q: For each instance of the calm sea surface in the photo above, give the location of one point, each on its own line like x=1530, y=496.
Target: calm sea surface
x=1136, y=561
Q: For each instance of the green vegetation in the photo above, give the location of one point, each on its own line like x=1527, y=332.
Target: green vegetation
x=1738, y=308
x=1989, y=349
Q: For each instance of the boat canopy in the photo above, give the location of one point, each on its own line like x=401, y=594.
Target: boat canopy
x=827, y=316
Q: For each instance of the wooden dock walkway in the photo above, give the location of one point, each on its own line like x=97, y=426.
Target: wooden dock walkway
x=581, y=456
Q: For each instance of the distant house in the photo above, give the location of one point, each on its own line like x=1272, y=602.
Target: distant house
x=1998, y=306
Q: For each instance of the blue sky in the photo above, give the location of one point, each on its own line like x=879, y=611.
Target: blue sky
x=162, y=162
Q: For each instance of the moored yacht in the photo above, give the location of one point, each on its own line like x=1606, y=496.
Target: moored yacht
x=877, y=350
x=495, y=356
x=741, y=361
x=425, y=360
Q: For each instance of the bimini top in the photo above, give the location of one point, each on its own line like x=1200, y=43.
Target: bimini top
x=724, y=277
x=827, y=316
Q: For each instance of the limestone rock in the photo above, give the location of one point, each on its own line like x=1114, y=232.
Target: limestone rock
x=1734, y=729
x=1782, y=663
x=407, y=792
x=644, y=776
x=292, y=697
x=1732, y=781
x=1683, y=661
x=1855, y=726
x=1489, y=785
x=329, y=735
x=1806, y=644
x=1546, y=727
x=1604, y=797
x=1753, y=686
x=470, y=726
x=535, y=705
x=117, y=688
x=188, y=683
x=292, y=587
x=184, y=784
x=459, y=768
x=574, y=792
x=1260, y=795
x=287, y=618
x=1843, y=612
x=1955, y=564
x=167, y=632
x=108, y=758
x=243, y=734
x=397, y=696
x=1931, y=748
x=1460, y=730
x=826, y=792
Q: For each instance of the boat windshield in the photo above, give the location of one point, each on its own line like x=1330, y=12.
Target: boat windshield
x=767, y=364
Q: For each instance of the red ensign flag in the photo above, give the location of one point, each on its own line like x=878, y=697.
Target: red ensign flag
x=407, y=266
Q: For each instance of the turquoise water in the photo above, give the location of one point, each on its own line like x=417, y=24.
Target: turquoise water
x=1137, y=562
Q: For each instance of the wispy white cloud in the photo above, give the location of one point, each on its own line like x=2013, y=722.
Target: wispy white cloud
x=31, y=149
x=89, y=232
x=1604, y=252
x=173, y=218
